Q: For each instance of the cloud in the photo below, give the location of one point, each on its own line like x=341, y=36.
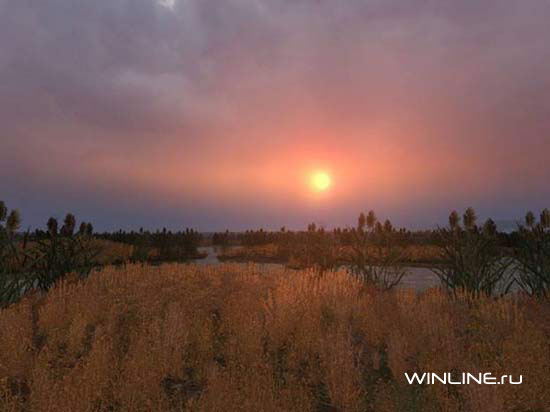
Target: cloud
x=171, y=4
x=198, y=100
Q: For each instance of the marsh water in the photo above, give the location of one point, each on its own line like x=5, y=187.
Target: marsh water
x=418, y=278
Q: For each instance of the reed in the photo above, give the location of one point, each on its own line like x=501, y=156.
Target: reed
x=243, y=337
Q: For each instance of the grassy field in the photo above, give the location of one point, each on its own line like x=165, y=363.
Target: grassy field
x=232, y=337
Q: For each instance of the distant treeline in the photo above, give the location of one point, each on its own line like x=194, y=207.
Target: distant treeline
x=464, y=255
x=160, y=245
x=467, y=256
x=346, y=236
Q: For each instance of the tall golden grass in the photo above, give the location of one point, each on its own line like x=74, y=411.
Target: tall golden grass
x=108, y=252
x=412, y=254
x=269, y=251
x=111, y=252
x=242, y=338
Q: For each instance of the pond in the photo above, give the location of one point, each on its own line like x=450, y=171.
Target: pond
x=418, y=278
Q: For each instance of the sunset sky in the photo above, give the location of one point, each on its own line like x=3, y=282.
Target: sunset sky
x=216, y=114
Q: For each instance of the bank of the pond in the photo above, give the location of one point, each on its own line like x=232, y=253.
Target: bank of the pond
x=418, y=277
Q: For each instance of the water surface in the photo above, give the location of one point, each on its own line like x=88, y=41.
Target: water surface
x=419, y=278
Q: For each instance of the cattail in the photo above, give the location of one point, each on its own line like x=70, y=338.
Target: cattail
x=371, y=219
x=489, y=227
x=52, y=226
x=361, y=222
x=388, y=227
x=83, y=228
x=530, y=219
x=68, y=225
x=454, y=220
x=470, y=219
x=3, y=211
x=14, y=221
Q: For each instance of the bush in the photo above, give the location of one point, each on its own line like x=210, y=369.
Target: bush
x=471, y=258
x=27, y=265
x=376, y=258
x=162, y=245
x=533, y=255
x=315, y=248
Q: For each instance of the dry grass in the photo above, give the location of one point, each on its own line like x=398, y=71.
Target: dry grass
x=236, y=338
x=112, y=252
x=251, y=253
x=108, y=252
x=412, y=254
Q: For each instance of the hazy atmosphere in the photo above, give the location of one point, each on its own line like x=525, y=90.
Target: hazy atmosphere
x=274, y=205
x=217, y=114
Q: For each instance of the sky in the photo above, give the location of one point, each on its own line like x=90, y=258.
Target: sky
x=214, y=114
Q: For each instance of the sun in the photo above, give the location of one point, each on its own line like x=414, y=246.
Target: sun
x=320, y=181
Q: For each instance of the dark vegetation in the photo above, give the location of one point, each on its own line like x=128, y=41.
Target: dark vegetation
x=376, y=257
x=159, y=246
x=467, y=257
x=37, y=260
x=533, y=255
x=474, y=260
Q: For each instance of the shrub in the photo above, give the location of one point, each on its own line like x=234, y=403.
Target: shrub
x=471, y=259
x=315, y=248
x=39, y=264
x=533, y=255
x=376, y=258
